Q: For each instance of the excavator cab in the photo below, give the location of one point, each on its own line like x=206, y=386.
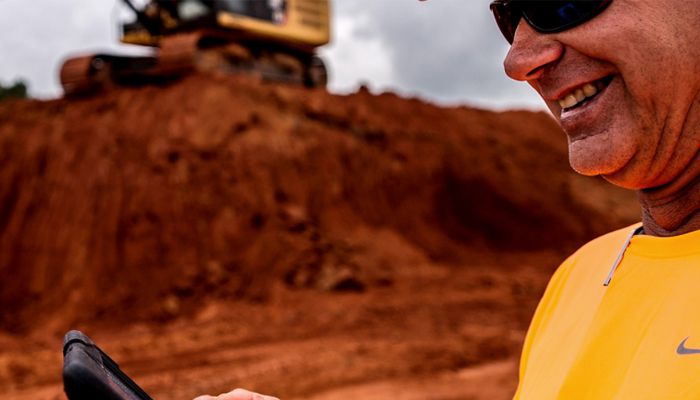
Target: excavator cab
x=275, y=39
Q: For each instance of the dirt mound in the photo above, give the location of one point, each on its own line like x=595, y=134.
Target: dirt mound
x=222, y=232
x=141, y=203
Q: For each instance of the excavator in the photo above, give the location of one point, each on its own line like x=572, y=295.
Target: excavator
x=274, y=39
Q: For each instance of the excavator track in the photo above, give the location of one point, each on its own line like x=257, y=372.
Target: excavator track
x=184, y=54
x=97, y=72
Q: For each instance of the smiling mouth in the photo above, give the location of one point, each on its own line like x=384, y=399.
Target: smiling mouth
x=583, y=94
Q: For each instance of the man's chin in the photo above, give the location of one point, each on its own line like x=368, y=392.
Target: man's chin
x=591, y=162
x=621, y=176
x=602, y=160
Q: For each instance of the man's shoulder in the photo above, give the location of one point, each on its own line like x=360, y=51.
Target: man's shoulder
x=611, y=241
x=595, y=258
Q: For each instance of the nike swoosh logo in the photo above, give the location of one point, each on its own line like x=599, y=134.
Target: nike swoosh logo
x=682, y=350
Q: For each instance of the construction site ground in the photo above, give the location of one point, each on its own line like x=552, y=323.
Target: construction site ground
x=223, y=232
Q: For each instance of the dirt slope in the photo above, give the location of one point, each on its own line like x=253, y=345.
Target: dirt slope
x=216, y=232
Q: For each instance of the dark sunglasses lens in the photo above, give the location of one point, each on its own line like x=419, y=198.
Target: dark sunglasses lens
x=544, y=15
x=554, y=16
x=507, y=19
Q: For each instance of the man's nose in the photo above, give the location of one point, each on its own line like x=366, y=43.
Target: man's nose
x=530, y=53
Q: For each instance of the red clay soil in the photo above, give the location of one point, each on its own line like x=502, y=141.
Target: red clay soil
x=222, y=232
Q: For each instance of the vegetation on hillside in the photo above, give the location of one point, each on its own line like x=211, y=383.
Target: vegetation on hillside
x=17, y=90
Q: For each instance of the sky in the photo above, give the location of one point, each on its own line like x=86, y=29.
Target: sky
x=445, y=51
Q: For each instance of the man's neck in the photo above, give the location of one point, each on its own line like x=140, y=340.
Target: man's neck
x=673, y=209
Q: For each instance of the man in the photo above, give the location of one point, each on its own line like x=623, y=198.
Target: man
x=622, y=77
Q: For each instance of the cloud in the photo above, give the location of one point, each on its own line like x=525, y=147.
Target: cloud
x=38, y=35
x=448, y=51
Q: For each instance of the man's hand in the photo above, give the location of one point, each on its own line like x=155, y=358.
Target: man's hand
x=238, y=394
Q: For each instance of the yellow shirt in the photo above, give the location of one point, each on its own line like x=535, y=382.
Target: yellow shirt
x=588, y=341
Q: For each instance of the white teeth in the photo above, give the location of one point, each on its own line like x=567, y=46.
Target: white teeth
x=568, y=102
x=588, y=90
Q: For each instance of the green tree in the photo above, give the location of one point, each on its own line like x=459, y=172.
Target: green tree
x=17, y=90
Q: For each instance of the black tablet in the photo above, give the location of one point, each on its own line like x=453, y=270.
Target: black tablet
x=89, y=373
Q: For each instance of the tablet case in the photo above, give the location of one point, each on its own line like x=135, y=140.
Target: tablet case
x=89, y=373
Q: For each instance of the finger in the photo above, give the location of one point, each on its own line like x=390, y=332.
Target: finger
x=242, y=394
x=238, y=394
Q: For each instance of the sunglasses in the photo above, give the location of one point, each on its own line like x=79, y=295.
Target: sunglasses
x=545, y=16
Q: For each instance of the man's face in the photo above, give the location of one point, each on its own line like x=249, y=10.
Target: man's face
x=639, y=60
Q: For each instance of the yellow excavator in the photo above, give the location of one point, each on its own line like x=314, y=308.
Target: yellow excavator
x=275, y=39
